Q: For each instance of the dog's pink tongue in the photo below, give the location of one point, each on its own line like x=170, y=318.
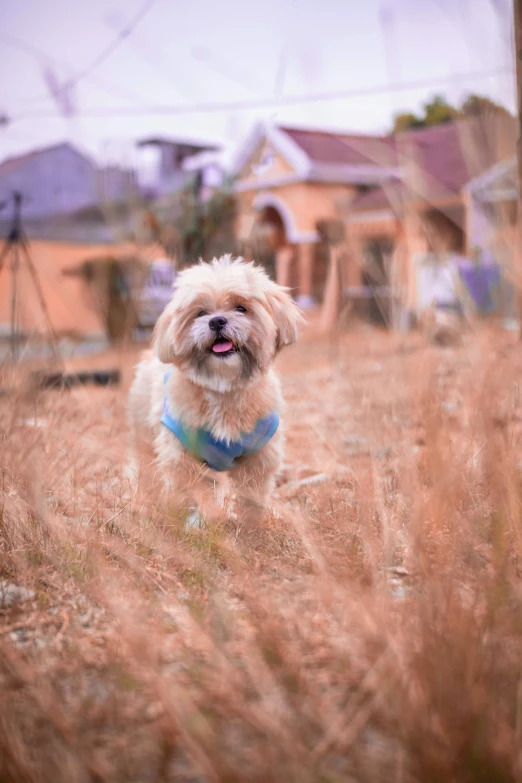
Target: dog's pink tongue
x=222, y=347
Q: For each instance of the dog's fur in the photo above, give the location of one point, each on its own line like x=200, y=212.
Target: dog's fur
x=225, y=395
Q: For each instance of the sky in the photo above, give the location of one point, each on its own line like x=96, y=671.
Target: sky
x=161, y=67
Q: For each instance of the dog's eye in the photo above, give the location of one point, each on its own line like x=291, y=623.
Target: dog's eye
x=201, y=313
x=241, y=309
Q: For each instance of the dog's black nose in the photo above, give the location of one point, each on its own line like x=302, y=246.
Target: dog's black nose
x=217, y=323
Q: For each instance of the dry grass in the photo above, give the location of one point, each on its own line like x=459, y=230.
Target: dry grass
x=373, y=632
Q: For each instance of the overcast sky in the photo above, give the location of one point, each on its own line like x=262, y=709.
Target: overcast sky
x=187, y=52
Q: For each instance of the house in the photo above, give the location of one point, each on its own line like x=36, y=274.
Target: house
x=58, y=180
x=52, y=267
x=70, y=304
x=404, y=192
x=75, y=304
x=288, y=180
x=116, y=185
x=71, y=212
x=166, y=173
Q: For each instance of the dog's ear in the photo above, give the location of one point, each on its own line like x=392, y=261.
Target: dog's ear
x=163, y=338
x=288, y=318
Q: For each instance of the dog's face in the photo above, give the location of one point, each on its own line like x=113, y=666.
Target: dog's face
x=225, y=324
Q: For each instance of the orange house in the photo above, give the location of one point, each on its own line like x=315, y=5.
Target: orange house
x=288, y=180
x=391, y=192
x=70, y=303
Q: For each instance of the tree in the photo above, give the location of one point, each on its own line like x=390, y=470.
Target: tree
x=439, y=111
x=480, y=106
x=436, y=112
x=114, y=297
x=407, y=121
x=190, y=227
x=206, y=227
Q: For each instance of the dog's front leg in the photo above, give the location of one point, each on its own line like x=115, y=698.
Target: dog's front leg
x=254, y=480
x=198, y=490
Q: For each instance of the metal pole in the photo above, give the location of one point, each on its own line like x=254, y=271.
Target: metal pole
x=14, y=301
x=517, y=28
x=41, y=299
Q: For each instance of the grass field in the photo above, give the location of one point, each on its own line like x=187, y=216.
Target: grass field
x=371, y=631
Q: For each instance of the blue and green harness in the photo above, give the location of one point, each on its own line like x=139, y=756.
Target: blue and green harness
x=219, y=454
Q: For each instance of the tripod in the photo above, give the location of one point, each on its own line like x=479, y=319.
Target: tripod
x=17, y=247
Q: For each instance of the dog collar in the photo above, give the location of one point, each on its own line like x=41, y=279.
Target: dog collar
x=219, y=454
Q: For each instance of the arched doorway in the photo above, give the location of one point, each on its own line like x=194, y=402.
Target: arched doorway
x=271, y=223
x=267, y=238
x=289, y=252
x=273, y=210
x=276, y=228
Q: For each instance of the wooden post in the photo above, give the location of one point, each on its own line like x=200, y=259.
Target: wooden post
x=411, y=227
x=332, y=292
x=305, y=271
x=333, y=232
x=517, y=27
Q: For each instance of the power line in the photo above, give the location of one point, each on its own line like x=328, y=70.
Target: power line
x=122, y=35
x=289, y=100
x=105, y=85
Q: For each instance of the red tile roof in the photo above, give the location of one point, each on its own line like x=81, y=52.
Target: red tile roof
x=439, y=154
x=448, y=154
x=446, y=157
x=341, y=148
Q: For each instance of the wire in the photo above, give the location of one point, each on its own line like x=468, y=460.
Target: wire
x=122, y=35
x=289, y=100
x=39, y=54
x=113, y=45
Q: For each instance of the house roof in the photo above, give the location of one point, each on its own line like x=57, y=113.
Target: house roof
x=322, y=156
x=341, y=148
x=443, y=159
x=192, y=144
x=11, y=164
x=440, y=160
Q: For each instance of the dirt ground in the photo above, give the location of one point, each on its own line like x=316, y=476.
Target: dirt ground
x=105, y=575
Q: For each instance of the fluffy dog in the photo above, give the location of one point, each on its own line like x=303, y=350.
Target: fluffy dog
x=206, y=399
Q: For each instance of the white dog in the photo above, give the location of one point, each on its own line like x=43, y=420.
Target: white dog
x=206, y=399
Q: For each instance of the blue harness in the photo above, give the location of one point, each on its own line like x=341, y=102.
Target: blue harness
x=219, y=454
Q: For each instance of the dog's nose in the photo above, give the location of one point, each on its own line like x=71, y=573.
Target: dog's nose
x=217, y=323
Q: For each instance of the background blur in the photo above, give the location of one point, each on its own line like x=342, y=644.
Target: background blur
x=158, y=133
x=370, y=629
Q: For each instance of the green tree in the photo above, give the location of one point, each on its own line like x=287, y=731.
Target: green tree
x=407, y=121
x=438, y=111
x=190, y=227
x=206, y=227
x=480, y=106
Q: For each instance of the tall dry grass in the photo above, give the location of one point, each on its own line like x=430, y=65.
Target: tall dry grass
x=372, y=632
